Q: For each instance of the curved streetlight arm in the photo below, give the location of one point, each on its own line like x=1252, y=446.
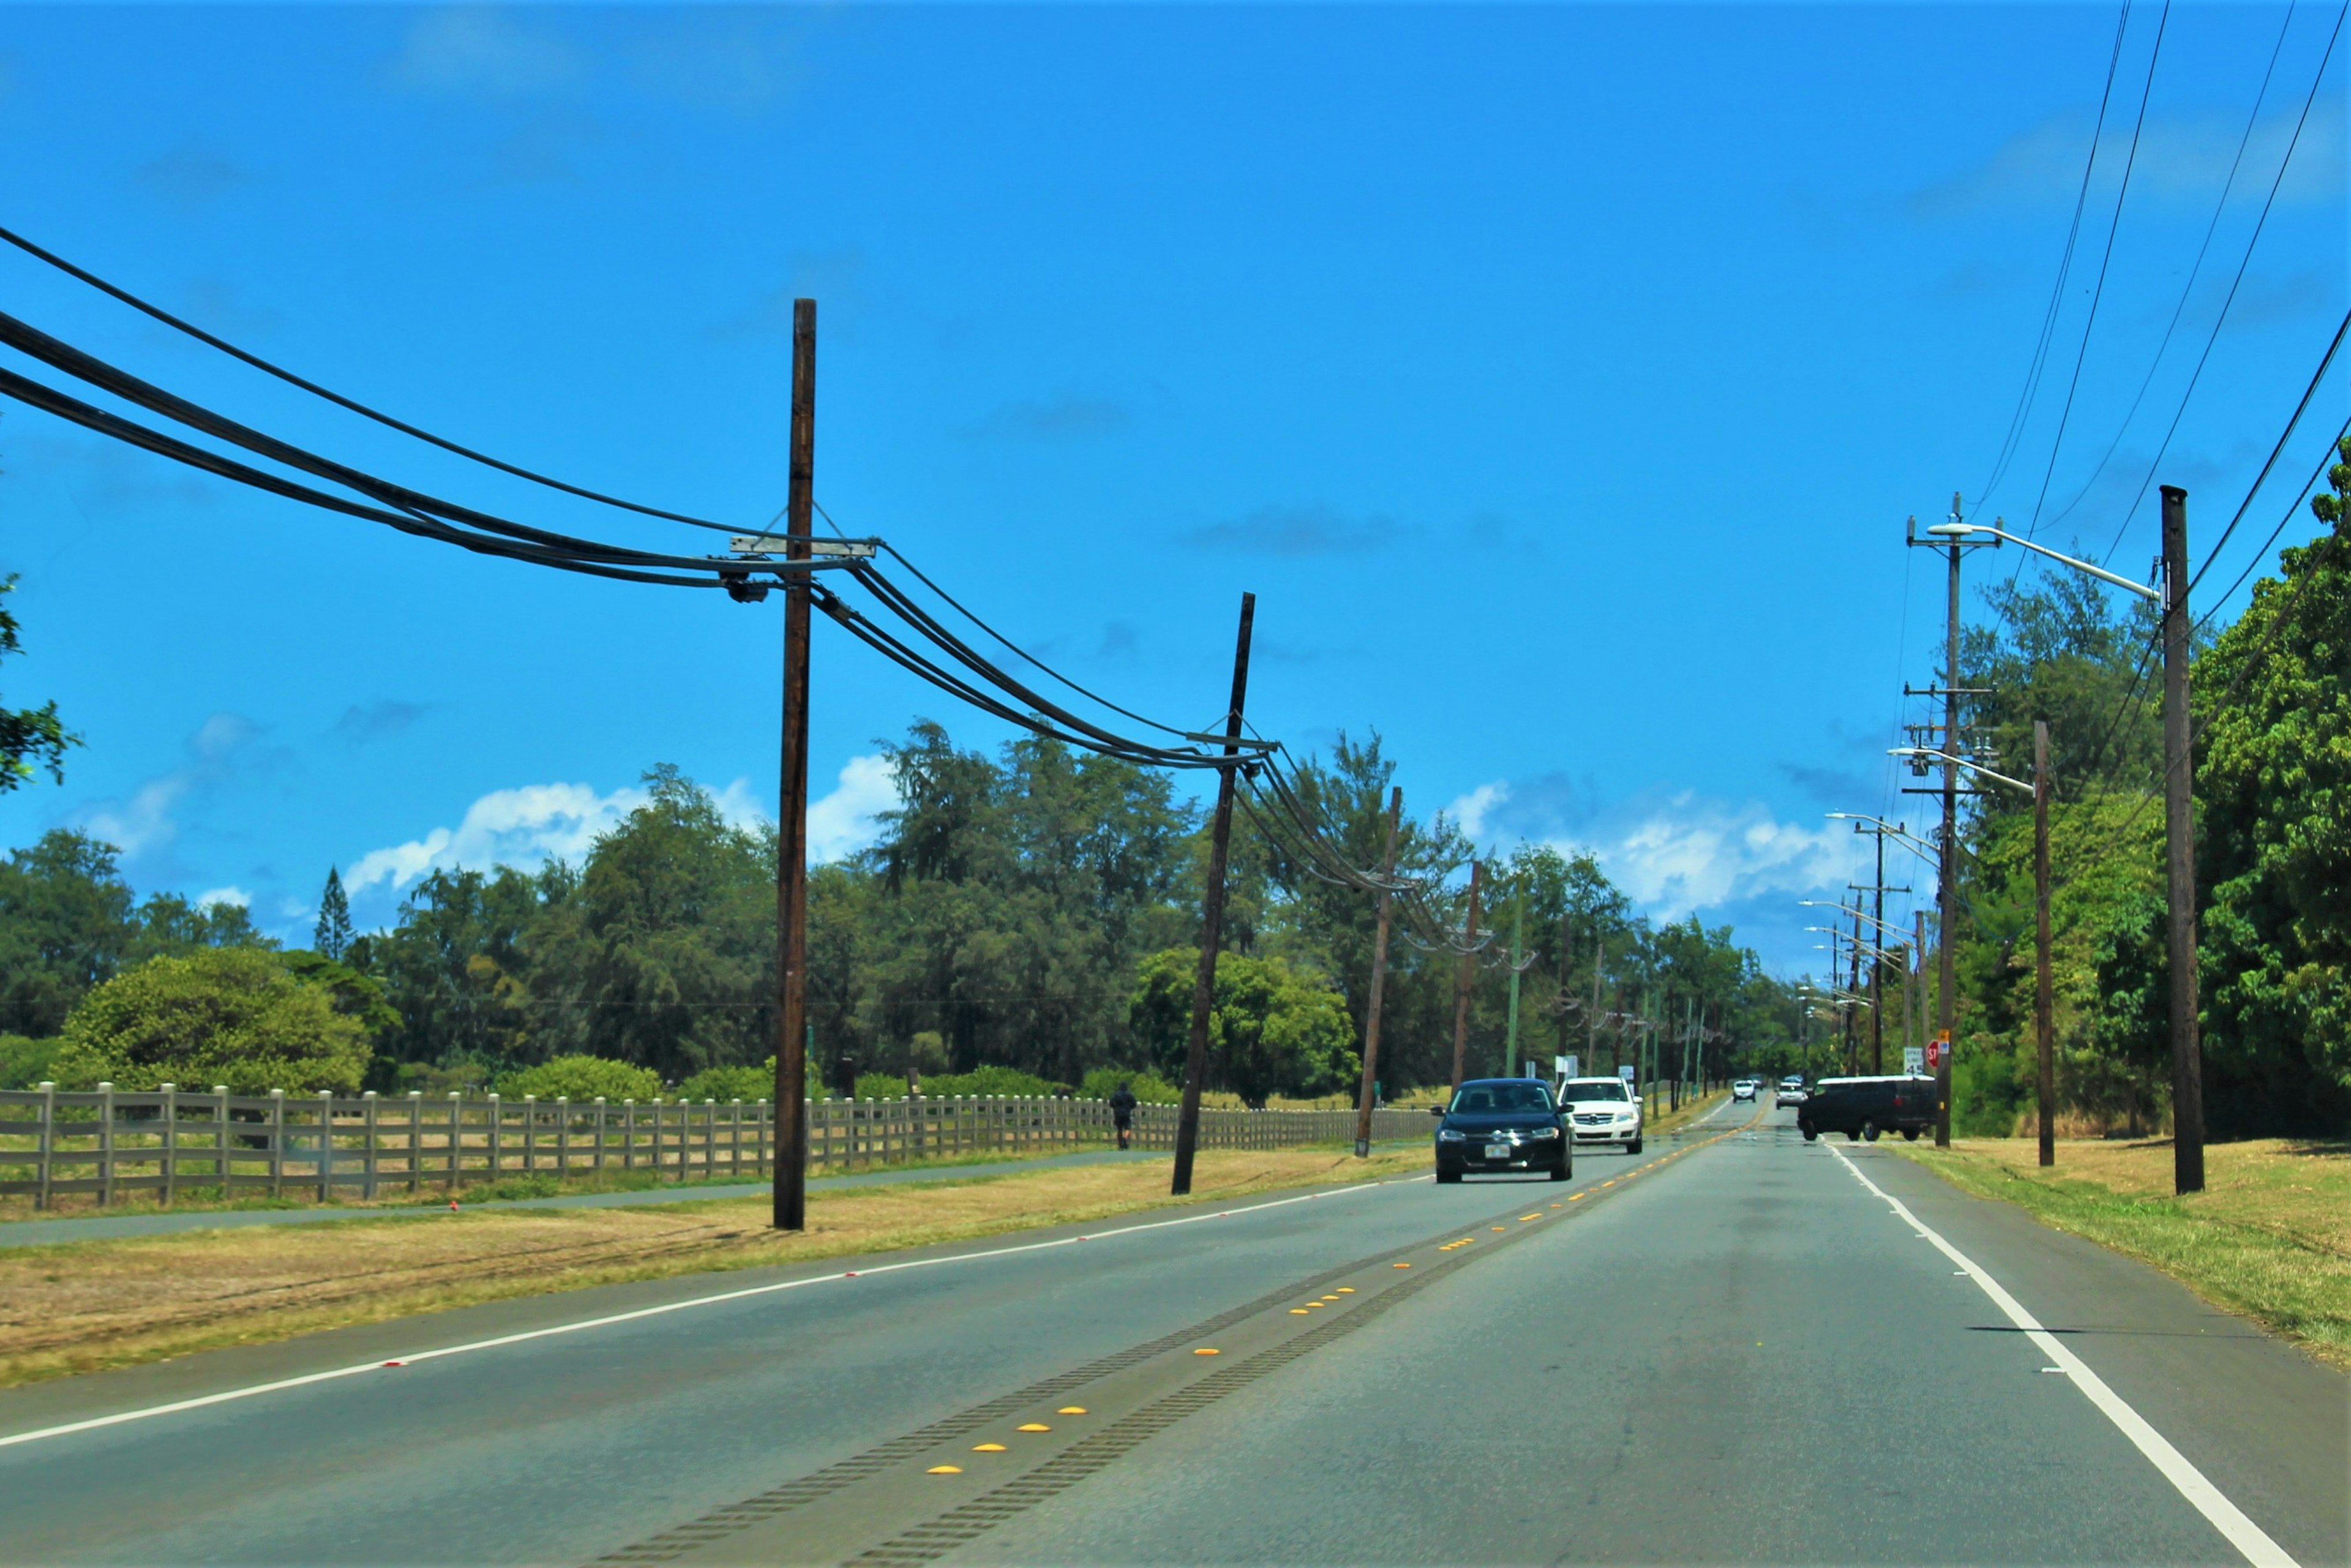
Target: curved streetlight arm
x=1961, y=530
x=1976, y=768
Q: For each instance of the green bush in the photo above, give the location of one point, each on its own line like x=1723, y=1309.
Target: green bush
x=1147, y=1087
x=220, y=1015
x=1273, y=1028
x=24, y=1062
x=581, y=1078
x=1006, y=1080
x=737, y=1083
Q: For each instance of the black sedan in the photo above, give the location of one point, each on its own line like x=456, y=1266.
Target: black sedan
x=1499, y=1125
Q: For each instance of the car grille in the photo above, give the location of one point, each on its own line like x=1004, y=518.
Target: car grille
x=1594, y=1118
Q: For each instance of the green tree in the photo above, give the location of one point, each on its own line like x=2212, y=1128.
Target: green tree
x=224, y=1015
x=334, y=933
x=31, y=739
x=1271, y=1029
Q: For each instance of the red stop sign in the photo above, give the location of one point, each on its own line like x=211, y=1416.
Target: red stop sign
x=1935, y=1049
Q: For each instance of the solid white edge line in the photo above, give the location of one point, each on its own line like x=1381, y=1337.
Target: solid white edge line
x=2248, y=1538
x=251, y=1391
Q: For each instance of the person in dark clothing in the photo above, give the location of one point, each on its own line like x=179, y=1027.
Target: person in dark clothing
x=1121, y=1113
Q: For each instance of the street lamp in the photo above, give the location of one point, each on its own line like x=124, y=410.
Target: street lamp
x=2178, y=812
x=2043, y=1028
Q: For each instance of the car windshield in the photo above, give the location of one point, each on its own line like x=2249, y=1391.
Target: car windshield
x=1488, y=1098
x=1594, y=1089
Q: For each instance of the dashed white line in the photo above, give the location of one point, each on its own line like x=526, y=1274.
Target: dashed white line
x=2250, y=1540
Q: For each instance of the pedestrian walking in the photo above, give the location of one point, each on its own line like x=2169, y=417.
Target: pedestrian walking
x=1121, y=1113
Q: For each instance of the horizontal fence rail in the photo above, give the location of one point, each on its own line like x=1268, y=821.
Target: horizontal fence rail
x=109, y=1145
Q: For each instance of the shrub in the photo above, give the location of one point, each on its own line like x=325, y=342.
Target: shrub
x=581, y=1078
x=26, y=1062
x=740, y=1081
x=220, y=1015
x=1008, y=1081
x=1147, y=1087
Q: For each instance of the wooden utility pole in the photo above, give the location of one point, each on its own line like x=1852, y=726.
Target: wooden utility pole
x=1918, y=971
x=1511, y=1068
x=1877, y=957
x=791, y=806
x=1852, y=1000
x=1212, y=913
x=1379, y=980
x=1461, y=982
x=1592, y=1026
x=1947, y=859
x=2179, y=843
x=2042, y=1025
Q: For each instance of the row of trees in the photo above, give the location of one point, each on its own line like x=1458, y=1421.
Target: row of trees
x=1032, y=911
x=2271, y=712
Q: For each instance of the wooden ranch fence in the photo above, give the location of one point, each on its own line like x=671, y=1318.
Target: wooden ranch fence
x=110, y=1144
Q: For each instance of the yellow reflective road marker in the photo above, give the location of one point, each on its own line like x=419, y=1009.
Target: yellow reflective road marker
x=944, y=1470
x=1033, y=1427
x=1070, y=1410
x=1346, y=1290
x=1501, y=1228
x=1524, y=1218
x=1298, y=1312
x=987, y=1448
x=1208, y=1353
x=1575, y=1197
x=1399, y=1265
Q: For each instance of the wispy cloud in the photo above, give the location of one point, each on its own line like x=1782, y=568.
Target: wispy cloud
x=377, y=720
x=190, y=177
x=1063, y=418
x=2180, y=158
x=212, y=896
x=1313, y=530
x=487, y=53
x=147, y=821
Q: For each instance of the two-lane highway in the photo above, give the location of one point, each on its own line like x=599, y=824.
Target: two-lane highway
x=1735, y=1347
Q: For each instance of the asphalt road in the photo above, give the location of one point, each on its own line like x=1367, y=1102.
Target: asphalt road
x=1751, y=1350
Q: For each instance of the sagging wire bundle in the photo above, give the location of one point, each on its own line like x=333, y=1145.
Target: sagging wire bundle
x=918, y=640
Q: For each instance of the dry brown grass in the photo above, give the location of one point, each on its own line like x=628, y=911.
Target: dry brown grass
x=82, y=1306
x=2270, y=1236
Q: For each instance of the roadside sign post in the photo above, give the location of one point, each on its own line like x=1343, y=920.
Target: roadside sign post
x=1914, y=1060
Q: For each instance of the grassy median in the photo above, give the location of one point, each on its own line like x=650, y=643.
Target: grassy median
x=2269, y=1236
x=82, y=1306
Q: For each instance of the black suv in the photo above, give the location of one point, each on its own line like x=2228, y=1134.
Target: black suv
x=1501, y=1124
x=1864, y=1107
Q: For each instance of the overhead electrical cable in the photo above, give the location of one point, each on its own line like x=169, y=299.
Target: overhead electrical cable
x=2180, y=307
x=2113, y=228
x=2317, y=80
x=2325, y=361
x=258, y=363
x=2327, y=461
x=2026, y=394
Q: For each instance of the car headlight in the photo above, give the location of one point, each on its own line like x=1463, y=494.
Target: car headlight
x=1447, y=1135
x=1623, y=1115
x=1541, y=1132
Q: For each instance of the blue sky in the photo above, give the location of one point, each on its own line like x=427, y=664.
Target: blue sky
x=1558, y=378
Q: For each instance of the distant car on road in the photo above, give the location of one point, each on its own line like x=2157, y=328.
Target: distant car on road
x=1744, y=1089
x=1498, y=1125
x=1791, y=1091
x=1865, y=1107
x=1603, y=1111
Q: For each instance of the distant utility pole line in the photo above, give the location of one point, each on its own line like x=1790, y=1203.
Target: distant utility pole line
x=1379, y=979
x=1212, y=913
x=1461, y=981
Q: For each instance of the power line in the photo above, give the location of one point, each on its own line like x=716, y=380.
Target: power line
x=2025, y=395
x=2089, y=325
x=258, y=363
x=2195, y=271
x=2325, y=362
x=2284, y=163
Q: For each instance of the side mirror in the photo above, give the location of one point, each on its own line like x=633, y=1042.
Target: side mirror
x=1437, y=1110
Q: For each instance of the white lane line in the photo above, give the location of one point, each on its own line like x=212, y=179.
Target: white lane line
x=2242, y=1533
x=252, y=1390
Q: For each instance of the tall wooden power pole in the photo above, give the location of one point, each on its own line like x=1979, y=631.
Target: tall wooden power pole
x=2179, y=843
x=1461, y=980
x=1379, y=980
x=791, y=806
x=1212, y=913
x=2043, y=1029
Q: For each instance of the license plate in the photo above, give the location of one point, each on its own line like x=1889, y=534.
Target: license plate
x=1498, y=1151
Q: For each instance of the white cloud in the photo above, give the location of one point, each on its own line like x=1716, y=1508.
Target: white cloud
x=147, y=820
x=1682, y=853
x=507, y=826
x=483, y=51
x=845, y=821
x=214, y=895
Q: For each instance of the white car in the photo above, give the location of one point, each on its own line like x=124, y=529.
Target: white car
x=1603, y=1111
x=1791, y=1091
x=1744, y=1089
